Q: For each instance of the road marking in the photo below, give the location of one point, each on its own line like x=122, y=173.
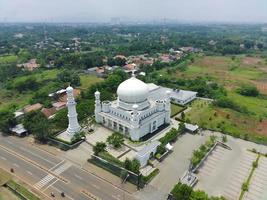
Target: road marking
x=44, y=181
x=36, y=155
x=16, y=165
x=115, y=197
x=50, y=185
x=9, y=142
x=65, y=193
x=48, y=178
x=29, y=172
x=56, y=165
x=97, y=187
x=3, y=158
x=77, y=176
x=62, y=168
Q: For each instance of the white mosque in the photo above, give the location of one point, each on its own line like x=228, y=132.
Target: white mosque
x=135, y=113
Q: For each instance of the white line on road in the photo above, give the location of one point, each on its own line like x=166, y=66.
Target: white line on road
x=69, y=197
x=115, y=197
x=9, y=142
x=56, y=165
x=16, y=165
x=3, y=158
x=29, y=172
x=97, y=187
x=36, y=155
x=77, y=176
x=50, y=185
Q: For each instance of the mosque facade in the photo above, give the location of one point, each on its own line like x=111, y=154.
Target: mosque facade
x=137, y=111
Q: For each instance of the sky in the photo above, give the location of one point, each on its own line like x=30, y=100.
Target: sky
x=233, y=11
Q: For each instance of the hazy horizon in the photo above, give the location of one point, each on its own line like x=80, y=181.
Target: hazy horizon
x=87, y=11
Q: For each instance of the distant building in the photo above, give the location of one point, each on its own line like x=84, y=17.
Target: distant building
x=181, y=97
x=30, y=66
x=49, y=113
x=59, y=105
x=33, y=107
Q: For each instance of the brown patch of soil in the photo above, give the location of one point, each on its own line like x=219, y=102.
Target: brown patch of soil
x=262, y=128
x=261, y=86
x=251, y=61
x=214, y=62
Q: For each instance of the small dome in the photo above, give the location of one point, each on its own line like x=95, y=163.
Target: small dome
x=69, y=89
x=133, y=91
x=135, y=106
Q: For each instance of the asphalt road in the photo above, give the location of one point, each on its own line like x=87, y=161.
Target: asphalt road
x=48, y=173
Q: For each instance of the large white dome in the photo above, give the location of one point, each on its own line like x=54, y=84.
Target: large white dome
x=133, y=91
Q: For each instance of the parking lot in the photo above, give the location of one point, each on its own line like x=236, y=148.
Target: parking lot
x=258, y=184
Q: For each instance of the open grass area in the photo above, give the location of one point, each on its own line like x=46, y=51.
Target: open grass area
x=6, y=194
x=230, y=73
x=4, y=177
x=175, y=109
x=228, y=121
x=87, y=80
x=13, y=98
x=8, y=59
x=21, y=190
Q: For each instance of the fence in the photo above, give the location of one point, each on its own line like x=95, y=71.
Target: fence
x=118, y=171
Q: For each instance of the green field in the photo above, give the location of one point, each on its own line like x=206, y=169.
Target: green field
x=175, y=109
x=87, y=80
x=12, y=99
x=231, y=74
x=8, y=59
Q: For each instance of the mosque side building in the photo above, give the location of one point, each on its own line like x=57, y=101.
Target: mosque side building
x=136, y=112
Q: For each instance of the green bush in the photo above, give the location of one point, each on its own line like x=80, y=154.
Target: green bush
x=99, y=147
x=169, y=137
x=116, y=140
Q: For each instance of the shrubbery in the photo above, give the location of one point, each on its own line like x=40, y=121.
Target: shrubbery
x=199, y=154
x=185, y=192
x=248, y=90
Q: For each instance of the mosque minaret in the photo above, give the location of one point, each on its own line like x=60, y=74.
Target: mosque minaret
x=73, y=126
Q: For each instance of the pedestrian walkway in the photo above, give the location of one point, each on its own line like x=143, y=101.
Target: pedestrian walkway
x=51, y=179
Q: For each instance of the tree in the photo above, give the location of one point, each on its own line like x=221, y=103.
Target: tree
x=132, y=165
x=248, y=90
x=70, y=77
x=181, y=191
x=99, y=147
x=37, y=124
x=183, y=116
x=116, y=140
x=181, y=128
x=7, y=121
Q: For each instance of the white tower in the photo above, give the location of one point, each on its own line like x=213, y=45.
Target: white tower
x=168, y=107
x=97, y=107
x=135, y=123
x=74, y=126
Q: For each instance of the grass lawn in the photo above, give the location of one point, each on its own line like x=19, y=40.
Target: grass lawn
x=8, y=59
x=88, y=80
x=175, y=109
x=6, y=194
x=22, y=190
x=4, y=177
x=228, y=121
